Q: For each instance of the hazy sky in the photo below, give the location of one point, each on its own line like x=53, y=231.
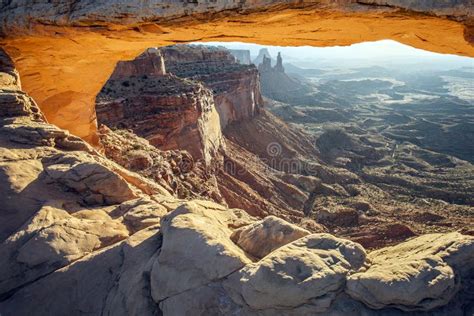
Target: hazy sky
x=386, y=52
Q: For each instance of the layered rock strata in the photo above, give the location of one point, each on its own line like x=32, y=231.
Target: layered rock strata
x=170, y=112
x=242, y=55
x=235, y=86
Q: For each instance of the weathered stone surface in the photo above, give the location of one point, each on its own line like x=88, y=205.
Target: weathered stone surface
x=460, y=9
x=112, y=281
x=170, y=112
x=95, y=182
x=149, y=63
x=209, y=299
x=236, y=87
x=140, y=213
x=196, y=250
x=310, y=270
x=18, y=104
x=52, y=239
x=419, y=274
x=175, y=170
x=262, y=237
x=19, y=15
x=22, y=130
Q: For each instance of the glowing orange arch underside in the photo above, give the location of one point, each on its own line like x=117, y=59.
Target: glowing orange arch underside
x=64, y=68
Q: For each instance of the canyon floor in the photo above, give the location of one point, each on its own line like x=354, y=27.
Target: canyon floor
x=407, y=135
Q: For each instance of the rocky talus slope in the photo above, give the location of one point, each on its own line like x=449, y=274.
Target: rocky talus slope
x=81, y=235
x=175, y=170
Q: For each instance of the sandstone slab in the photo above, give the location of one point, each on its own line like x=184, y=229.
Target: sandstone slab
x=52, y=239
x=309, y=270
x=262, y=237
x=196, y=250
x=419, y=274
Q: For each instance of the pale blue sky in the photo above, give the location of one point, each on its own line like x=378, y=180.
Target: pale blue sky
x=385, y=51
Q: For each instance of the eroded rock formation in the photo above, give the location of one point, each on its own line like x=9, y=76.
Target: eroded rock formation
x=242, y=55
x=170, y=112
x=67, y=52
x=269, y=168
x=175, y=170
x=236, y=87
x=276, y=84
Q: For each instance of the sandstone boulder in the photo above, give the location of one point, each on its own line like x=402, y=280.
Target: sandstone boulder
x=338, y=217
x=95, y=182
x=51, y=239
x=140, y=213
x=310, y=270
x=419, y=274
x=262, y=237
x=196, y=250
x=110, y=281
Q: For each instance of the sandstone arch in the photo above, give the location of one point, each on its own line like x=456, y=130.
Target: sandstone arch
x=66, y=52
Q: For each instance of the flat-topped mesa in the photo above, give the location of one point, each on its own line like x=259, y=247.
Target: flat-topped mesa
x=242, y=56
x=182, y=54
x=149, y=63
x=170, y=112
x=235, y=86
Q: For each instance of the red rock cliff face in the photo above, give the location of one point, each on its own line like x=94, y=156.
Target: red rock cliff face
x=170, y=112
x=150, y=63
x=184, y=105
x=235, y=86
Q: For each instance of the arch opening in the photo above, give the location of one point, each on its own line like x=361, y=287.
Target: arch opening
x=64, y=67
